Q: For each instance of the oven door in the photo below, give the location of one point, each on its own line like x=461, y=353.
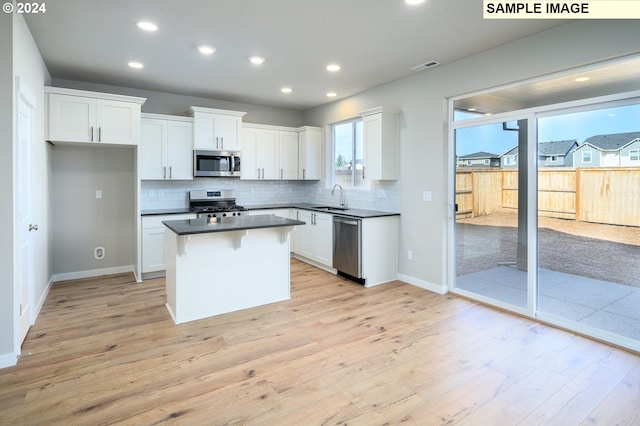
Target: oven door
x=213, y=163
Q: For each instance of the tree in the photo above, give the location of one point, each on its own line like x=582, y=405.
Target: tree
x=340, y=161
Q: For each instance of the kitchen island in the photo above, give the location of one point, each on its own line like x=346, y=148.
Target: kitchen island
x=227, y=265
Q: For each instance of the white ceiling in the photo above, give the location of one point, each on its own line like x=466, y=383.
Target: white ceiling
x=374, y=41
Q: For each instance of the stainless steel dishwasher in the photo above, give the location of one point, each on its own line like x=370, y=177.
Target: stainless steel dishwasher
x=347, y=247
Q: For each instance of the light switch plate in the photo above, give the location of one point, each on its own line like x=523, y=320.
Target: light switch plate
x=426, y=196
x=98, y=193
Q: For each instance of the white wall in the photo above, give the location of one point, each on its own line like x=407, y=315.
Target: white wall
x=83, y=222
x=423, y=136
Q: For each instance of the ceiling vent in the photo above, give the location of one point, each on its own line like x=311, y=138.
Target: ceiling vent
x=426, y=65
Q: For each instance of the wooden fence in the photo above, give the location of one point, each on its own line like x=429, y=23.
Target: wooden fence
x=601, y=194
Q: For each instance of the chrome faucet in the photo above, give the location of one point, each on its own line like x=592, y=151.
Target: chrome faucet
x=342, y=200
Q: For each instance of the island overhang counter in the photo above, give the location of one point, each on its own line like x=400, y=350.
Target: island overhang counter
x=224, y=266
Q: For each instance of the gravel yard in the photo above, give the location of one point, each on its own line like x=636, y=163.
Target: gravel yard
x=605, y=252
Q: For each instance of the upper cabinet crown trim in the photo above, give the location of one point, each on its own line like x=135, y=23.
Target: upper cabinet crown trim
x=377, y=110
x=167, y=117
x=97, y=95
x=194, y=109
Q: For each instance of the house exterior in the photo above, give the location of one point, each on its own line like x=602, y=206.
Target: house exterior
x=611, y=150
x=556, y=153
x=509, y=160
x=550, y=154
x=479, y=159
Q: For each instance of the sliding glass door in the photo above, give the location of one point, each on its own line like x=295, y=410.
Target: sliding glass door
x=545, y=215
x=491, y=212
x=589, y=218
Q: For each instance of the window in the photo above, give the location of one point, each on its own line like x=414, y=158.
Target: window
x=486, y=162
x=586, y=157
x=348, y=153
x=468, y=162
x=510, y=161
x=634, y=154
x=553, y=158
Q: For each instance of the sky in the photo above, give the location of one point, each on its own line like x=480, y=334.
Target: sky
x=579, y=126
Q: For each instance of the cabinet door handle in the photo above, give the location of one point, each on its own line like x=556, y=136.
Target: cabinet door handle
x=304, y=173
x=280, y=173
x=164, y=172
x=363, y=172
x=99, y=134
x=91, y=133
x=221, y=142
x=170, y=172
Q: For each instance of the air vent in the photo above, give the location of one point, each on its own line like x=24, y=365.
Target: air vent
x=424, y=66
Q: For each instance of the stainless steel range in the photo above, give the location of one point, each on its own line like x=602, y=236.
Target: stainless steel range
x=215, y=203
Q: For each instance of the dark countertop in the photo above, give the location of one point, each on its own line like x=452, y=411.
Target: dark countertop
x=356, y=213
x=225, y=224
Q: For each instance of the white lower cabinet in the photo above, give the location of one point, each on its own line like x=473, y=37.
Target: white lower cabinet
x=380, y=249
x=153, y=240
x=314, y=240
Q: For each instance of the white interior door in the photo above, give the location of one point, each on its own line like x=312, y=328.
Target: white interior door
x=25, y=228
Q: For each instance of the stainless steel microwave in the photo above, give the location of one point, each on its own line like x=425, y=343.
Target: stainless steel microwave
x=216, y=163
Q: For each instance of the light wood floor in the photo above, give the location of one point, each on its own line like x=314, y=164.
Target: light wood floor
x=105, y=351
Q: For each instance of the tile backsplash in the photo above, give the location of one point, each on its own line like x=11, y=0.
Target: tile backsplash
x=383, y=195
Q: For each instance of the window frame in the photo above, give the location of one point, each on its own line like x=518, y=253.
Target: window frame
x=590, y=157
x=353, y=121
x=637, y=153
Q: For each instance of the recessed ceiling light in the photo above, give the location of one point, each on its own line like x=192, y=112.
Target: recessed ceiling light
x=286, y=90
x=471, y=109
x=206, y=50
x=256, y=60
x=580, y=79
x=333, y=67
x=134, y=64
x=147, y=26
x=414, y=2
x=331, y=94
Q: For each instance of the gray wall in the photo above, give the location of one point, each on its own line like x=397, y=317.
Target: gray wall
x=423, y=135
x=81, y=222
x=6, y=186
x=170, y=103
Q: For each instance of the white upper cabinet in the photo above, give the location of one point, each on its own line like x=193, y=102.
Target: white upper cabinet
x=216, y=129
x=166, y=147
x=269, y=152
x=288, y=154
x=309, y=153
x=380, y=132
x=91, y=117
x=277, y=152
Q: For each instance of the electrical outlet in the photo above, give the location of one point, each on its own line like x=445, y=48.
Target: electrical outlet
x=426, y=196
x=409, y=255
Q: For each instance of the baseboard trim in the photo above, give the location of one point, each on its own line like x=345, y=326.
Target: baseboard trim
x=8, y=360
x=40, y=303
x=423, y=284
x=93, y=273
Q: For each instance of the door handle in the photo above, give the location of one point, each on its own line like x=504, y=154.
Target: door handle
x=33, y=227
x=91, y=133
